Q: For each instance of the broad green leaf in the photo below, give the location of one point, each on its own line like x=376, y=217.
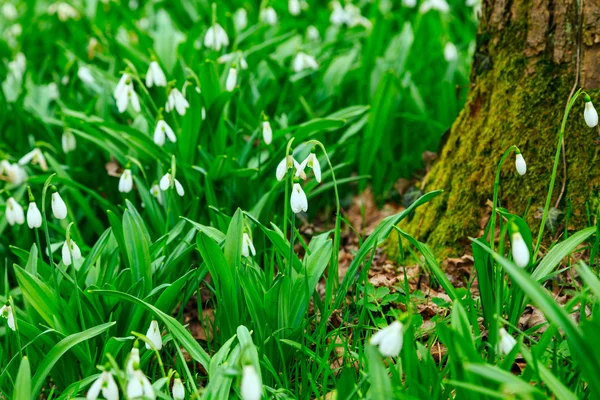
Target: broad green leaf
x=23, y=382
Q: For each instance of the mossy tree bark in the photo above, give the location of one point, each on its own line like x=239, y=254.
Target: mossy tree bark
x=524, y=70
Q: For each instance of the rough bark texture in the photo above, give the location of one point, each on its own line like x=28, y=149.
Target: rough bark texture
x=523, y=72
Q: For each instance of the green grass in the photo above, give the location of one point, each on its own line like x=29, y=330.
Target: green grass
x=384, y=91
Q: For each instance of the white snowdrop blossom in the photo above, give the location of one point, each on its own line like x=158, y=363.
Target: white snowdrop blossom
x=225, y=58
x=154, y=336
x=338, y=15
x=506, y=342
x=298, y=200
x=268, y=16
x=520, y=251
x=14, y=212
x=354, y=17
x=139, y=386
x=63, y=10
x=59, y=208
x=251, y=387
x=133, y=360
x=34, y=216
x=240, y=19
x=520, y=164
x=589, y=113
x=176, y=101
x=294, y=7
x=35, y=157
x=85, y=75
x=303, y=61
x=156, y=192
x=231, y=80
x=450, y=52
x=389, y=339
x=70, y=252
x=6, y=311
x=9, y=11
x=409, y=3
x=68, y=141
x=267, y=132
x=126, y=181
x=178, y=389
x=125, y=93
x=13, y=173
x=216, y=38
x=155, y=75
x=312, y=33
x=163, y=129
x=167, y=181
x=311, y=162
x=438, y=5
x=286, y=164
x=18, y=65
x=247, y=246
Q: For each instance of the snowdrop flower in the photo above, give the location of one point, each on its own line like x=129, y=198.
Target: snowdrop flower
x=18, y=65
x=298, y=200
x=59, y=208
x=247, y=246
x=13, y=173
x=70, y=252
x=126, y=181
x=123, y=82
x=311, y=162
x=154, y=336
x=128, y=95
x=155, y=191
x=63, y=10
x=312, y=33
x=268, y=16
x=85, y=75
x=506, y=342
x=35, y=156
x=286, y=164
x=14, y=212
x=231, y=80
x=34, y=216
x=303, y=61
x=409, y=3
x=105, y=383
x=450, y=52
x=294, y=7
x=139, y=386
x=176, y=101
x=354, y=18
x=520, y=251
x=167, y=181
x=267, y=132
x=225, y=58
x=589, y=113
x=389, y=339
x=133, y=359
x=438, y=5
x=216, y=38
x=338, y=16
x=9, y=11
x=240, y=19
x=6, y=311
x=68, y=141
x=520, y=164
x=162, y=129
x=251, y=386
x=178, y=389
x=155, y=76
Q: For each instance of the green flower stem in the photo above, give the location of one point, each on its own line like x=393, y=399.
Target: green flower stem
x=495, y=200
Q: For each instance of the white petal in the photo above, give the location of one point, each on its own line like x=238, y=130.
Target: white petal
x=111, y=391
x=520, y=251
x=298, y=200
x=59, y=208
x=94, y=391
x=135, y=388
x=126, y=181
x=165, y=182
x=170, y=133
x=154, y=336
x=267, y=132
x=590, y=115
x=28, y=157
x=179, y=188
x=159, y=133
x=317, y=170
x=506, y=342
x=281, y=169
x=122, y=101
x=178, y=390
x=251, y=386
x=66, y=255
x=520, y=164
x=231, y=80
x=10, y=319
x=135, y=102
x=34, y=217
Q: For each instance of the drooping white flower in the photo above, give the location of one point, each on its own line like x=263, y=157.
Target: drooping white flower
x=389, y=339
x=589, y=113
x=231, y=80
x=128, y=96
x=338, y=16
x=240, y=19
x=251, y=387
x=286, y=164
x=178, y=389
x=520, y=251
x=268, y=16
x=312, y=33
x=311, y=162
x=506, y=342
x=163, y=129
x=123, y=82
x=438, y=5
x=154, y=336
x=34, y=216
x=156, y=192
x=267, y=132
x=13, y=173
x=176, y=101
x=68, y=141
x=35, y=156
x=139, y=386
x=298, y=200
x=155, y=75
x=167, y=181
x=450, y=52
x=59, y=208
x=70, y=252
x=236, y=56
x=63, y=10
x=85, y=75
x=409, y=3
x=353, y=17
x=247, y=246
x=6, y=311
x=294, y=7
x=520, y=164
x=216, y=38
x=303, y=61
x=132, y=360
x=18, y=65
x=9, y=11
x=126, y=181
x=14, y=212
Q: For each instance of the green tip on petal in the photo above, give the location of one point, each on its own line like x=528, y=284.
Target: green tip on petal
x=587, y=98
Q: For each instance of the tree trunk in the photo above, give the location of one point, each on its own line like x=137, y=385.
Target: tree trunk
x=524, y=69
